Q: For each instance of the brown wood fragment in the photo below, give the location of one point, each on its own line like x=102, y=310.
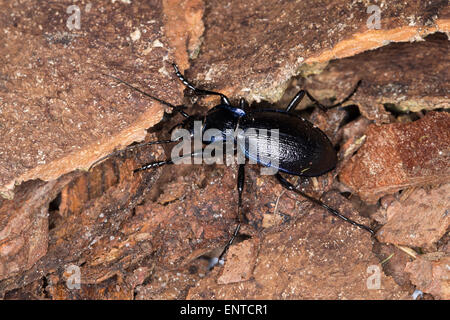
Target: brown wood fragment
x=253, y=48
x=146, y=235
x=431, y=274
x=240, y=262
x=400, y=155
x=419, y=221
x=24, y=226
x=299, y=261
x=86, y=228
x=411, y=76
x=184, y=24
x=58, y=112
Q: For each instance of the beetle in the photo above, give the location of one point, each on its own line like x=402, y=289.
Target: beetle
x=304, y=150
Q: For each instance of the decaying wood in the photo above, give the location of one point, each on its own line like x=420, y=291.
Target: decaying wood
x=408, y=77
x=148, y=235
x=59, y=112
x=400, y=155
x=253, y=48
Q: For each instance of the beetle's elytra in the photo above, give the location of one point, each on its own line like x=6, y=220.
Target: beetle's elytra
x=304, y=150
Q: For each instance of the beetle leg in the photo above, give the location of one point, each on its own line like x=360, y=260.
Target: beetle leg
x=299, y=97
x=179, y=109
x=187, y=124
x=131, y=148
x=157, y=164
x=243, y=104
x=223, y=98
x=290, y=187
x=240, y=188
x=296, y=100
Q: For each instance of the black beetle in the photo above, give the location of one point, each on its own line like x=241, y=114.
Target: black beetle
x=304, y=150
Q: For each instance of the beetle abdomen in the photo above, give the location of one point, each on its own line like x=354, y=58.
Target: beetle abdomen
x=300, y=149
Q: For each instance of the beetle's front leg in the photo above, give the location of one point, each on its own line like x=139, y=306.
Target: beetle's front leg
x=223, y=98
x=157, y=164
x=139, y=145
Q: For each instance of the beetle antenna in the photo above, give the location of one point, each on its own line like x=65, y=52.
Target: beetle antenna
x=175, y=108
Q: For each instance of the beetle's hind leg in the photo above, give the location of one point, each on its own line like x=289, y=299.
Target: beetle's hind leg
x=224, y=99
x=334, y=212
x=301, y=94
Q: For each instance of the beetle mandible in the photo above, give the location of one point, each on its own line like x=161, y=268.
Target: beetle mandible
x=304, y=150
